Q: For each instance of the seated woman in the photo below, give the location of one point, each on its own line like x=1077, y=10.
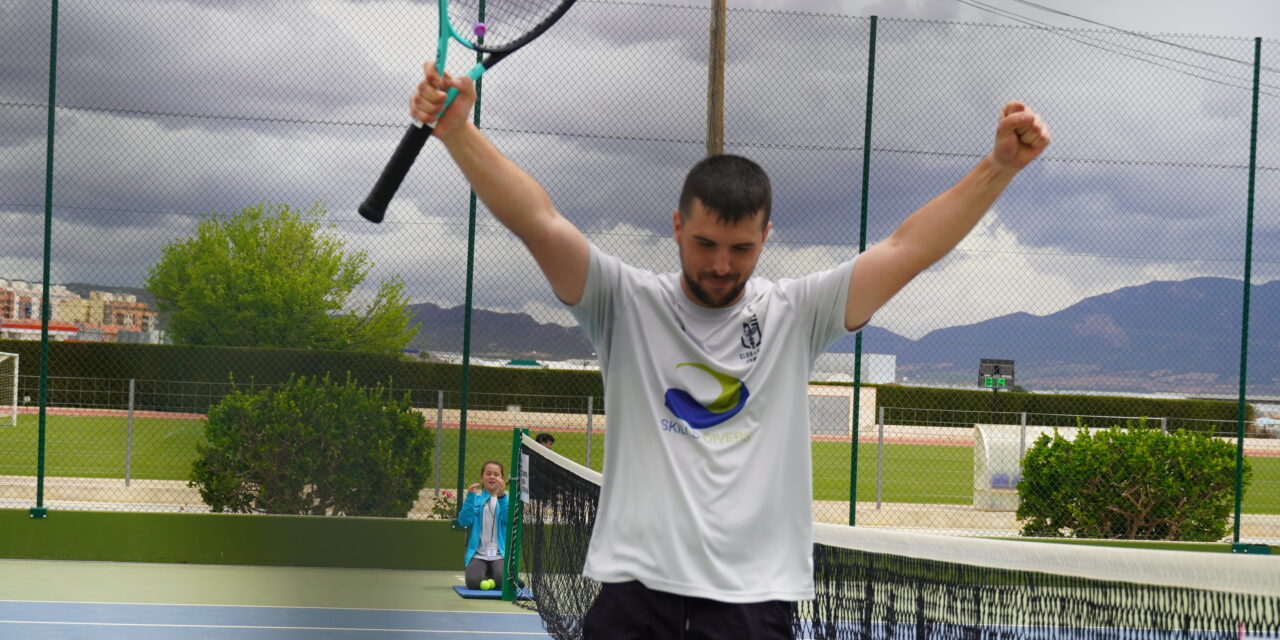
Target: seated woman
x=485, y=512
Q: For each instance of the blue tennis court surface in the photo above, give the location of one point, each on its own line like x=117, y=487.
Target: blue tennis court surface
x=24, y=620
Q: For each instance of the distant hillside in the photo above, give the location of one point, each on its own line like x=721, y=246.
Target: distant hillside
x=1179, y=336
x=1161, y=336
x=497, y=335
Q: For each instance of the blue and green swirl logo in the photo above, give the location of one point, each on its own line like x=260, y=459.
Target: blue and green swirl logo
x=732, y=397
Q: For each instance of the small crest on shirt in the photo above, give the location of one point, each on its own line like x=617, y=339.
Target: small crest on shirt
x=751, y=335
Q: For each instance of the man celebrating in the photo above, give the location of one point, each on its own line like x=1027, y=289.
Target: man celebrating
x=705, y=521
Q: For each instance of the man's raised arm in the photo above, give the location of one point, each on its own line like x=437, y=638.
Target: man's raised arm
x=514, y=197
x=936, y=228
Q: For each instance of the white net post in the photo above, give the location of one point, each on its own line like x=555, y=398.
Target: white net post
x=8, y=389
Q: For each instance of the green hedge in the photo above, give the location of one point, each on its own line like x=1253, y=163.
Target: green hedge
x=96, y=374
x=1059, y=410
x=93, y=374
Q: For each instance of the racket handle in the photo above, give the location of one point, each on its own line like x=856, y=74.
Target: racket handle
x=374, y=206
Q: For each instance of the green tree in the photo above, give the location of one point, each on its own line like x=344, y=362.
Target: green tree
x=274, y=277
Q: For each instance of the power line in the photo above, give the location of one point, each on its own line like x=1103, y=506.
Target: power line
x=1065, y=33
x=1142, y=35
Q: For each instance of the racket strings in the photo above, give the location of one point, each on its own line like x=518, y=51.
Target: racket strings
x=504, y=21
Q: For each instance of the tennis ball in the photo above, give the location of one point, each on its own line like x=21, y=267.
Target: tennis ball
x=480, y=29
x=487, y=584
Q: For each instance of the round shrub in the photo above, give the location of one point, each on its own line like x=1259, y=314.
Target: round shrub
x=312, y=446
x=1128, y=483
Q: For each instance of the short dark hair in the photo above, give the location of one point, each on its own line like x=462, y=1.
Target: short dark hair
x=501, y=469
x=544, y=438
x=734, y=187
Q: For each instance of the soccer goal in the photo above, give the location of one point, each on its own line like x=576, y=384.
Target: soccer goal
x=8, y=389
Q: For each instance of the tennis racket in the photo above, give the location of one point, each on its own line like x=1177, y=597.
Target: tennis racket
x=493, y=27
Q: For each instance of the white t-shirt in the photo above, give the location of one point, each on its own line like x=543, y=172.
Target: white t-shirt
x=707, y=482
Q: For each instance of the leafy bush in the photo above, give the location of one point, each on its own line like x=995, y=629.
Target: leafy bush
x=313, y=446
x=1128, y=483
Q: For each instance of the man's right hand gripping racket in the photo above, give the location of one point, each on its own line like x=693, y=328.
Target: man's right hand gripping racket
x=493, y=27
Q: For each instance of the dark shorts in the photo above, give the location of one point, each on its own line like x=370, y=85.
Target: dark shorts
x=632, y=611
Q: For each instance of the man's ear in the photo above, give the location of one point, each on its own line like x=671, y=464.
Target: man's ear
x=675, y=224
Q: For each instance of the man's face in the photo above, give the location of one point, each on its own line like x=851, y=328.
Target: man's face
x=717, y=259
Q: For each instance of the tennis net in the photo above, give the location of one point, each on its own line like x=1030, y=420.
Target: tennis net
x=876, y=583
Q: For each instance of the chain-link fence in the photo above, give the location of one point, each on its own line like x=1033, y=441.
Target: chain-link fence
x=1113, y=267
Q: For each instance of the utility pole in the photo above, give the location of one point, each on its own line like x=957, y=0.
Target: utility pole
x=715, y=80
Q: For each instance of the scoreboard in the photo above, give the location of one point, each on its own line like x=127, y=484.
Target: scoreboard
x=995, y=374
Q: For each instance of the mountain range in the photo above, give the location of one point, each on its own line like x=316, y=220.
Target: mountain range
x=496, y=334
x=1166, y=336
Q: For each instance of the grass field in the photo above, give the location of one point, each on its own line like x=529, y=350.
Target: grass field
x=95, y=446
x=163, y=448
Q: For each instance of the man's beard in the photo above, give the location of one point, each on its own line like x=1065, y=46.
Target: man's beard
x=707, y=298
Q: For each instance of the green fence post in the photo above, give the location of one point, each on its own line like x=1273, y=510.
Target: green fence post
x=862, y=246
x=1244, y=319
x=39, y=511
x=466, y=323
x=515, y=520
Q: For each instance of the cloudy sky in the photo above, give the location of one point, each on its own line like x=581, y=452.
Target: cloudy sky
x=171, y=110
x=1236, y=18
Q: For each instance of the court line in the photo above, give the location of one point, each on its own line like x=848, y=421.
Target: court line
x=270, y=628
x=263, y=618
x=269, y=606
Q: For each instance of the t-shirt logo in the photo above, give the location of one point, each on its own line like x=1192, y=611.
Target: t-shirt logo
x=751, y=335
x=719, y=396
